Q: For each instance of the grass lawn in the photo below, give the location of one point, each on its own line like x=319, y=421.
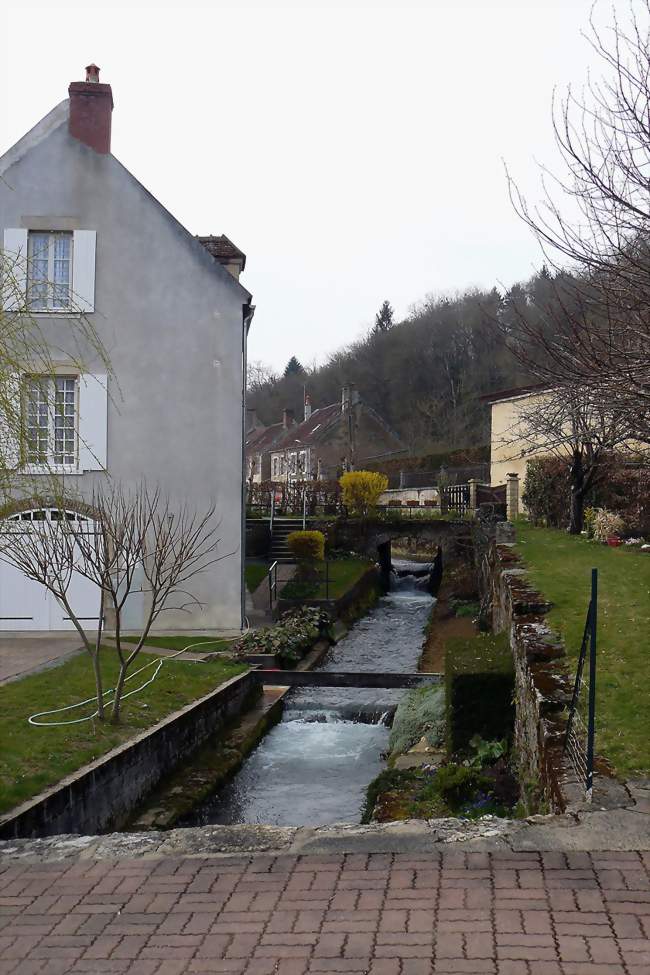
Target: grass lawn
x=560, y=566
x=179, y=642
x=343, y=573
x=32, y=758
x=255, y=573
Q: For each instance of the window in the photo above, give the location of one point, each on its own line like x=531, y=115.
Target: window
x=49, y=262
x=50, y=420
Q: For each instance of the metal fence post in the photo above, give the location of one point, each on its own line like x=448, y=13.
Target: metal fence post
x=591, y=726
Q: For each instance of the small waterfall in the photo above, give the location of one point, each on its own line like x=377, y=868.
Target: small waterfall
x=313, y=767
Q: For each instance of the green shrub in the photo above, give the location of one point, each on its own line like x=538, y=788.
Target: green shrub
x=479, y=679
x=307, y=545
x=622, y=486
x=456, y=784
x=451, y=790
x=419, y=713
x=486, y=752
x=547, y=494
x=291, y=637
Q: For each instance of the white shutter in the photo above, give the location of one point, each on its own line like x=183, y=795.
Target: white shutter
x=83, y=269
x=11, y=421
x=93, y=421
x=14, y=269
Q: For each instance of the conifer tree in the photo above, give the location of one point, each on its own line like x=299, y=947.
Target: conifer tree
x=384, y=317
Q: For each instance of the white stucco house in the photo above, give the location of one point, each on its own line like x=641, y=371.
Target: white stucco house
x=81, y=232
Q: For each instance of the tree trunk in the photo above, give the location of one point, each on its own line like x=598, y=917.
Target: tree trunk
x=98, y=686
x=115, y=714
x=577, y=494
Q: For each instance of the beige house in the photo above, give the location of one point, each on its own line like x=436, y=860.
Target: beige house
x=510, y=448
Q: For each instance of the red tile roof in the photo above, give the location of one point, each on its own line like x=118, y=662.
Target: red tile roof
x=264, y=438
x=310, y=431
x=223, y=249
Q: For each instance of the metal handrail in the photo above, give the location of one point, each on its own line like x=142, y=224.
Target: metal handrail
x=272, y=511
x=273, y=582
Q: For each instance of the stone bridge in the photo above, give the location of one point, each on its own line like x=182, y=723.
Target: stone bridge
x=377, y=538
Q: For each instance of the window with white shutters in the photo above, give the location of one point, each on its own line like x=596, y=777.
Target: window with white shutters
x=49, y=270
x=51, y=420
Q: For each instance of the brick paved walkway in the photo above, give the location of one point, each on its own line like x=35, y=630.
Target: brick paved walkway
x=385, y=914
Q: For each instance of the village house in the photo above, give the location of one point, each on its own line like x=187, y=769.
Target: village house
x=81, y=235
x=511, y=447
x=346, y=435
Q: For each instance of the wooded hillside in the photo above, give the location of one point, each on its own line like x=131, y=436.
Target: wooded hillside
x=423, y=375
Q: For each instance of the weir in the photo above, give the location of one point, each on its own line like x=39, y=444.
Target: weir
x=314, y=766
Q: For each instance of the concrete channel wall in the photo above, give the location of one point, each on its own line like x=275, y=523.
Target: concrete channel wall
x=366, y=587
x=101, y=796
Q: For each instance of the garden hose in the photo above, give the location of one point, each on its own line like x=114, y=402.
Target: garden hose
x=33, y=719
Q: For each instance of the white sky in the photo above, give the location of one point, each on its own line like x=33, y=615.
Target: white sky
x=352, y=150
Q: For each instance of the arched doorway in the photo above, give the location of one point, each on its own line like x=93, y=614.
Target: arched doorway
x=27, y=605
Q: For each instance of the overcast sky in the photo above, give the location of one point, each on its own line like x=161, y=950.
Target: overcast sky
x=352, y=150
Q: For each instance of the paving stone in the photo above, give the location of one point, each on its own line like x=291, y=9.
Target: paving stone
x=564, y=913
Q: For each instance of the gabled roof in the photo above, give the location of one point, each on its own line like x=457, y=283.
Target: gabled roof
x=58, y=118
x=514, y=393
x=222, y=248
x=48, y=124
x=264, y=438
x=311, y=431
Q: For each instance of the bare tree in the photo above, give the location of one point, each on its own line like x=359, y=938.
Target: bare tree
x=596, y=215
x=139, y=543
x=575, y=426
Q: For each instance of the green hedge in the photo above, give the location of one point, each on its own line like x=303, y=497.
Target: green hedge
x=479, y=677
x=623, y=486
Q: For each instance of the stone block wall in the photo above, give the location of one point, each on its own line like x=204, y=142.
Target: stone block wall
x=542, y=686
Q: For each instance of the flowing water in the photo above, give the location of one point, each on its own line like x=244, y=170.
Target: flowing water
x=314, y=766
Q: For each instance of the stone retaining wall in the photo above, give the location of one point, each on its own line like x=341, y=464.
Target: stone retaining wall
x=542, y=686
x=101, y=796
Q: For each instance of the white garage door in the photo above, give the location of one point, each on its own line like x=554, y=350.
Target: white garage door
x=27, y=605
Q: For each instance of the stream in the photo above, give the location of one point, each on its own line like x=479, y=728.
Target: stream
x=314, y=766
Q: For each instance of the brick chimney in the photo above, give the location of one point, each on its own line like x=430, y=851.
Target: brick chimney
x=91, y=105
x=287, y=419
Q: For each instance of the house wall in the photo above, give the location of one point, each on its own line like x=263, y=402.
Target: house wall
x=509, y=453
x=170, y=319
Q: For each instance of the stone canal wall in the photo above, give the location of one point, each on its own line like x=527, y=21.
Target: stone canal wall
x=101, y=796
x=542, y=686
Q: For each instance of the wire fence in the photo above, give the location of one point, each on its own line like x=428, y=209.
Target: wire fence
x=581, y=725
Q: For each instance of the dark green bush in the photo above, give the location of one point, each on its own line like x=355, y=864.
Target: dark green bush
x=479, y=679
x=622, y=486
x=291, y=637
